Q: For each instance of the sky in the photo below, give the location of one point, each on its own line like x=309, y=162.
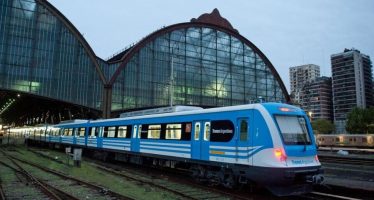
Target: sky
x=288, y=32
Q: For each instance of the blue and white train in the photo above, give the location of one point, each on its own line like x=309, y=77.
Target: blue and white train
x=268, y=144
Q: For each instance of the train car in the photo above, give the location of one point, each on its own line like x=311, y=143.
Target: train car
x=346, y=140
x=268, y=144
x=71, y=132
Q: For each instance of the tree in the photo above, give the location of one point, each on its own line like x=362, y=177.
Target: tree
x=360, y=120
x=323, y=126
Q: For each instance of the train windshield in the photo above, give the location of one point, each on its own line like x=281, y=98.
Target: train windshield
x=293, y=129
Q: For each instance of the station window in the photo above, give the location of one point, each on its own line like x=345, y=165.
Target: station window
x=207, y=131
x=197, y=131
x=173, y=131
x=154, y=131
x=122, y=131
x=223, y=130
x=243, y=130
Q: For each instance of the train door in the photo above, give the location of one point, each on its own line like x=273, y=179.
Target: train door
x=205, y=138
x=100, y=137
x=135, y=139
x=243, y=141
x=196, y=140
x=200, y=142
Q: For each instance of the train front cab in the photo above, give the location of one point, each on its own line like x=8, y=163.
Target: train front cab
x=292, y=165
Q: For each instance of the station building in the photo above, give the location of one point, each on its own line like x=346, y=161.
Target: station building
x=204, y=62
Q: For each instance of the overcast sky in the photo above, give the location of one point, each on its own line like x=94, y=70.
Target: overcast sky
x=288, y=32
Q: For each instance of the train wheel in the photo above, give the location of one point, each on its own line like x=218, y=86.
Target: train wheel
x=198, y=173
x=229, y=180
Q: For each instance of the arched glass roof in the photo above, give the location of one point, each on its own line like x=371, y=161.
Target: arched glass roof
x=195, y=64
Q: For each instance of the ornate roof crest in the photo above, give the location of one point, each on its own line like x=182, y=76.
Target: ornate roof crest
x=214, y=18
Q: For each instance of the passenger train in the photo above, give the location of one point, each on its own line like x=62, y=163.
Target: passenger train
x=267, y=144
x=345, y=140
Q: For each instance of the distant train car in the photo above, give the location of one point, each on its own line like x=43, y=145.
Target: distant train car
x=346, y=140
x=269, y=144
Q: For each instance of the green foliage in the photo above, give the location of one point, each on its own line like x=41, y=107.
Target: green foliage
x=323, y=126
x=360, y=121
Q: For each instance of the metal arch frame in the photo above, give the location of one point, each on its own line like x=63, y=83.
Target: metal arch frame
x=126, y=58
x=77, y=34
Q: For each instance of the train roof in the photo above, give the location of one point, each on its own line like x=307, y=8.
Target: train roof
x=201, y=111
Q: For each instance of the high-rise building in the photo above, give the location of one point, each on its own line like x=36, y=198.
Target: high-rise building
x=299, y=76
x=352, y=84
x=317, y=98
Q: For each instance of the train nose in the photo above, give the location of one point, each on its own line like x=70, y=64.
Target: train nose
x=315, y=179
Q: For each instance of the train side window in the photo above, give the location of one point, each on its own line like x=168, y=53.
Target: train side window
x=154, y=132
x=173, y=131
x=197, y=130
x=243, y=130
x=129, y=131
x=68, y=132
x=135, y=131
x=81, y=131
x=186, y=131
x=105, y=131
x=111, y=131
x=99, y=131
x=75, y=132
x=207, y=131
x=140, y=130
x=122, y=131
x=93, y=131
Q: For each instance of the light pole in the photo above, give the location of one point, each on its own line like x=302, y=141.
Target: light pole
x=171, y=80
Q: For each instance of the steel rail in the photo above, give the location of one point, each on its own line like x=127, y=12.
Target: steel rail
x=333, y=196
x=31, y=178
x=99, y=188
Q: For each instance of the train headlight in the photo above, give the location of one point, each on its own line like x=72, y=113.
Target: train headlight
x=316, y=158
x=279, y=154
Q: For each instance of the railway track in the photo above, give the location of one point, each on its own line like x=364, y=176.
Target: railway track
x=182, y=187
x=153, y=179
x=47, y=189
x=57, y=185
x=178, y=183
x=186, y=188
x=346, y=160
